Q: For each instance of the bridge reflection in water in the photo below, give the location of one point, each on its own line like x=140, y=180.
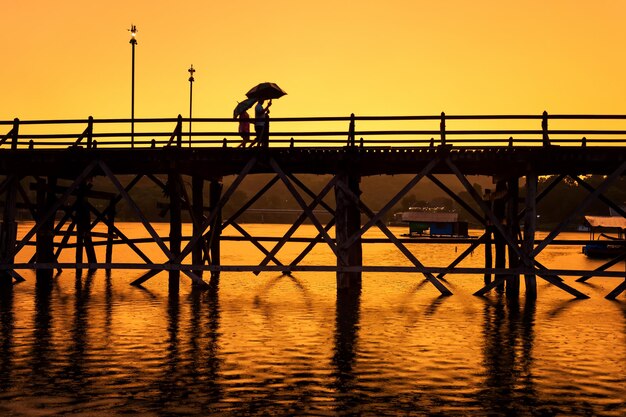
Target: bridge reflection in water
x=96, y=346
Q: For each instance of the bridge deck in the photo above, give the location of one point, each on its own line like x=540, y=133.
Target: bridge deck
x=217, y=162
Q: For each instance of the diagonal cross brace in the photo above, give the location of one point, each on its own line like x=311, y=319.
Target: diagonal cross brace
x=317, y=199
x=407, y=253
x=308, y=211
x=148, y=227
x=581, y=207
x=527, y=260
x=51, y=210
x=378, y=216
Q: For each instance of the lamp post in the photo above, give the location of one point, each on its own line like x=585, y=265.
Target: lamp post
x=191, y=80
x=133, y=42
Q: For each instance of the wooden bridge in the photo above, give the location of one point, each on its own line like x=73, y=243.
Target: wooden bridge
x=58, y=159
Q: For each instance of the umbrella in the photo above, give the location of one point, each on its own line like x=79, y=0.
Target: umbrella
x=243, y=106
x=266, y=91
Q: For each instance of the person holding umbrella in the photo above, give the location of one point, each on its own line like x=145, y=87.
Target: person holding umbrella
x=244, y=128
x=244, y=120
x=262, y=92
x=260, y=114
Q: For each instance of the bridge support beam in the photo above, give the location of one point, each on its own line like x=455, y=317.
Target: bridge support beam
x=347, y=223
x=530, y=225
x=512, y=222
x=197, y=190
x=110, y=217
x=8, y=229
x=215, y=193
x=45, y=235
x=499, y=210
x=175, y=226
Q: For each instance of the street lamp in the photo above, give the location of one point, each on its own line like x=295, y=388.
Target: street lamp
x=191, y=80
x=133, y=42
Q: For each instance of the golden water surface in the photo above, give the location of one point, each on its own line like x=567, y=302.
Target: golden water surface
x=284, y=345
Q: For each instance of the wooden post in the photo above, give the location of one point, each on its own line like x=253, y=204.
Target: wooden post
x=544, y=129
x=530, y=225
x=8, y=229
x=499, y=210
x=488, y=239
x=110, y=215
x=45, y=235
x=347, y=223
x=179, y=131
x=90, y=143
x=215, y=193
x=488, y=253
x=80, y=226
x=175, y=227
x=442, y=128
x=197, y=189
x=512, y=285
x=266, y=132
x=351, y=130
x=83, y=230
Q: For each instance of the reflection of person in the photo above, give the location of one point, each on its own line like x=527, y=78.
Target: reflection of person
x=259, y=119
x=244, y=128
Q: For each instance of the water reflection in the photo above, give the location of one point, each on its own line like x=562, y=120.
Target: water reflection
x=169, y=386
x=508, y=343
x=190, y=371
x=345, y=349
x=77, y=367
x=6, y=337
x=42, y=348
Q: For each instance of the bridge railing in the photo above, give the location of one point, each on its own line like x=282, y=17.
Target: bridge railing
x=472, y=131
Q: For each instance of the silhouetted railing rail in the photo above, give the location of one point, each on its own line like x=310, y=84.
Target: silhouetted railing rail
x=366, y=131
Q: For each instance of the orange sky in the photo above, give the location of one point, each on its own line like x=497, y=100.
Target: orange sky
x=72, y=59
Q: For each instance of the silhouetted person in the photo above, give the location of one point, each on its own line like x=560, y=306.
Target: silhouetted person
x=260, y=113
x=244, y=128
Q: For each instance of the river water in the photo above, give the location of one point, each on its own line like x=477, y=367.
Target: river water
x=284, y=345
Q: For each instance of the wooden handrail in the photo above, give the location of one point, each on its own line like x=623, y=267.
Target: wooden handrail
x=527, y=130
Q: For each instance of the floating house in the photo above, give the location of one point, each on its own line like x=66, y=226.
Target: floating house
x=436, y=223
x=610, y=231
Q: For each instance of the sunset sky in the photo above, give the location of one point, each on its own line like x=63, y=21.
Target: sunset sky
x=72, y=59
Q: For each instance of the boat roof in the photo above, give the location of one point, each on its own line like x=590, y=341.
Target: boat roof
x=426, y=217
x=615, y=222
